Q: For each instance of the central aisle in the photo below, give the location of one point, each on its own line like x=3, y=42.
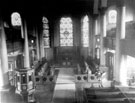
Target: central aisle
x=64, y=91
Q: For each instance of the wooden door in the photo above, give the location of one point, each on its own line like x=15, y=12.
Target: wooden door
x=110, y=64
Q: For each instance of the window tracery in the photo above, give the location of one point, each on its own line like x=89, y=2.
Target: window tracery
x=66, y=32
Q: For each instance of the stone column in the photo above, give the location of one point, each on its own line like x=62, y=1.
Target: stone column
x=3, y=56
x=94, y=38
x=123, y=71
x=120, y=34
x=90, y=37
x=41, y=46
x=26, y=46
x=37, y=42
x=102, y=34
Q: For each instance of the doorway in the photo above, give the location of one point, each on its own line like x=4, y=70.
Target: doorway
x=110, y=64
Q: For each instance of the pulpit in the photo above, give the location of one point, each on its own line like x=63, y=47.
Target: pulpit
x=25, y=84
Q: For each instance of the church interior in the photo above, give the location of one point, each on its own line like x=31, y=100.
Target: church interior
x=67, y=51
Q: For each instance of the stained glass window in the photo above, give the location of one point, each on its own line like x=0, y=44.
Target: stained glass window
x=46, y=38
x=85, y=31
x=66, y=32
x=112, y=16
x=16, y=19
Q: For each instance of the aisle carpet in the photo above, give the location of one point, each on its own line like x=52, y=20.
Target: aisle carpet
x=64, y=91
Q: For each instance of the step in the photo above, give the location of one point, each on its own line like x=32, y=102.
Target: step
x=102, y=89
x=104, y=96
x=108, y=100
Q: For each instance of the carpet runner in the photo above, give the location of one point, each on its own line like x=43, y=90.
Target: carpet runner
x=64, y=91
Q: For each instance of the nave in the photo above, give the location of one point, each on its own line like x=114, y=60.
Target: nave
x=65, y=89
x=57, y=50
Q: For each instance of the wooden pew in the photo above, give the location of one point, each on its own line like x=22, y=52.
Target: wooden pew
x=104, y=95
x=80, y=75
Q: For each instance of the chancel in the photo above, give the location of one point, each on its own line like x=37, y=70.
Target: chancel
x=67, y=51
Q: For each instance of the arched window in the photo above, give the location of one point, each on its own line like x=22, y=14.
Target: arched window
x=85, y=31
x=66, y=32
x=16, y=19
x=46, y=36
x=112, y=16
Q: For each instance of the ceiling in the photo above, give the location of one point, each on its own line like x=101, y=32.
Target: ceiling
x=50, y=8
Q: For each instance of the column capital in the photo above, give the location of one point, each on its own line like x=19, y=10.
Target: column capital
x=120, y=3
x=95, y=16
x=103, y=10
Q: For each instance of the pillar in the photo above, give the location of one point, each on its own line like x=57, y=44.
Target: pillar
x=90, y=37
x=120, y=34
x=26, y=46
x=102, y=34
x=94, y=38
x=37, y=43
x=3, y=56
x=41, y=46
x=123, y=70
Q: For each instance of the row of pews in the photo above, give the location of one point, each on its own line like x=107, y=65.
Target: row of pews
x=107, y=95
x=45, y=73
x=88, y=71
x=45, y=78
